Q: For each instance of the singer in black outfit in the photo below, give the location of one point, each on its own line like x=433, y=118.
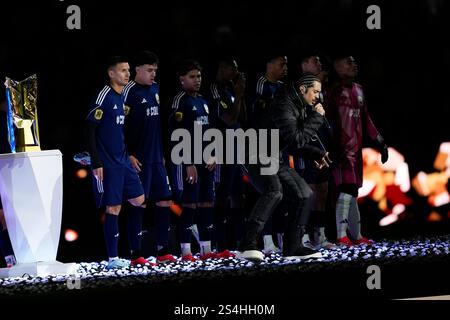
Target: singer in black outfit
x=296, y=130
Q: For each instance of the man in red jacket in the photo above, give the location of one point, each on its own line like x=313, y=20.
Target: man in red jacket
x=351, y=120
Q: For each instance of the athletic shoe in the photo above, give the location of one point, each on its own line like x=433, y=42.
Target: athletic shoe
x=344, y=241
x=167, y=258
x=189, y=257
x=209, y=255
x=251, y=255
x=364, y=240
x=118, y=264
x=226, y=254
x=141, y=261
x=304, y=253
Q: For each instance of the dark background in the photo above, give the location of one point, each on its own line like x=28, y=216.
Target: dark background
x=403, y=68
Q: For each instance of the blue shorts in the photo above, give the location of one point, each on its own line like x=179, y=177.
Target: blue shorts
x=202, y=191
x=119, y=184
x=155, y=182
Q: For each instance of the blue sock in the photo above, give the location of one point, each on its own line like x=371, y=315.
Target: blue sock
x=162, y=222
x=205, y=223
x=186, y=222
x=5, y=243
x=134, y=226
x=111, y=231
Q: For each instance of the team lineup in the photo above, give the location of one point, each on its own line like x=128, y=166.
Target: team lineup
x=319, y=127
x=125, y=142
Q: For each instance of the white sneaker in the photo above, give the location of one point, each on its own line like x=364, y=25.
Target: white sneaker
x=251, y=255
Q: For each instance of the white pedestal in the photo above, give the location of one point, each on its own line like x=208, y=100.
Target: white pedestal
x=31, y=192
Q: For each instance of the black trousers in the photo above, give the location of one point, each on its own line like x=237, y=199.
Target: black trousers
x=286, y=185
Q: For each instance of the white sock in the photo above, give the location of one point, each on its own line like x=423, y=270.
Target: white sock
x=185, y=249
x=354, y=220
x=319, y=234
x=305, y=238
x=205, y=247
x=268, y=242
x=342, y=213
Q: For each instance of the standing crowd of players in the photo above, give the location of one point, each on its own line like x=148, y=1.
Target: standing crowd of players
x=124, y=140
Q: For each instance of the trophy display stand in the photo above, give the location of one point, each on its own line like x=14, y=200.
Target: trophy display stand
x=31, y=192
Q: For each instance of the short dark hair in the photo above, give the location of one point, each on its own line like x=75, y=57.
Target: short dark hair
x=145, y=57
x=227, y=62
x=114, y=60
x=188, y=65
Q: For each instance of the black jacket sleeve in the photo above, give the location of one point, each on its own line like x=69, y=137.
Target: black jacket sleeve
x=285, y=119
x=92, y=145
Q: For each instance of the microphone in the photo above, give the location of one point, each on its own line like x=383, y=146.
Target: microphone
x=324, y=118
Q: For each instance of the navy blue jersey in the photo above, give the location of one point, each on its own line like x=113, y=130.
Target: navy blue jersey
x=265, y=93
x=107, y=110
x=188, y=111
x=221, y=102
x=143, y=122
x=267, y=90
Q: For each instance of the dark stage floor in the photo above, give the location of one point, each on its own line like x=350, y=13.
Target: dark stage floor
x=407, y=268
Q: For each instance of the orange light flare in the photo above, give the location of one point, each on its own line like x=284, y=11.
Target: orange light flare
x=70, y=235
x=81, y=173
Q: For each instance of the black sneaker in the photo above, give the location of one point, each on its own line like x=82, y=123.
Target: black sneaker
x=304, y=253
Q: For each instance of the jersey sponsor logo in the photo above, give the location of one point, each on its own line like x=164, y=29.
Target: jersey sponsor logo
x=126, y=109
x=202, y=120
x=153, y=111
x=223, y=104
x=120, y=119
x=98, y=115
x=143, y=100
x=178, y=116
x=157, y=97
x=115, y=107
x=206, y=107
x=360, y=100
x=354, y=113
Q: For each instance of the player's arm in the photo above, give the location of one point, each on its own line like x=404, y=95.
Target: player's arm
x=374, y=134
x=92, y=122
x=238, y=106
x=96, y=163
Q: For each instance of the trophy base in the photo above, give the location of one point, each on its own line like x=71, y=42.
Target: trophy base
x=38, y=269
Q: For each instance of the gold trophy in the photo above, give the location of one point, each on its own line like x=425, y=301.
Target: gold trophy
x=22, y=114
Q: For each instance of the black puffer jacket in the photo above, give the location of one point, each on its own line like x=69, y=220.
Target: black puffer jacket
x=287, y=113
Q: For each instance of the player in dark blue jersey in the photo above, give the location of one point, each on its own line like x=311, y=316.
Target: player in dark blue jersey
x=193, y=183
x=144, y=143
x=114, y=178
x=5, y=242
x=269, y=84
x=227, y=105
x=267, y=88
